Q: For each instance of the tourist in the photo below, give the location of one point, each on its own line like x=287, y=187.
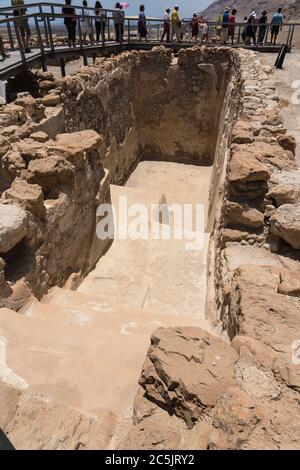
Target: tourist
x=203, y=29
x=219, y=27
x=22, y=23
x=118, y=16
x=167, y=28
x=86, y=24
x=100, y=21
x=176, y=24
x=69, y=22
x=225, y=25
x=2, y=50
x=263, y=21
x=194, y=28
x=255, y=24
x=231, y=28
x=277, y=22
x=142, y=25
x=244, y=31
x=250, y=31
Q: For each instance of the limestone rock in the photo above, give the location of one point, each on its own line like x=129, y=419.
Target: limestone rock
x=51, y=100
x=50, y=172
x=242, y=214
x=285, y=194
x=186, y=371
x=12, y=115
x=287, y=142
x=285, y=223
x=73, y=146
x=59, y=427
x=4, y=146
x=231, y=235
x=247, y=168
x=242, y=137
x=255, y=305
x=9, y=398
x=13, y=226
x=28, y=196
x=235, y=417
x=290, y=283
x=39, y=136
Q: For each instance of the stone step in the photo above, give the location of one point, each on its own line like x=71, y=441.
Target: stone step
x=82, y=311
x=78, y=366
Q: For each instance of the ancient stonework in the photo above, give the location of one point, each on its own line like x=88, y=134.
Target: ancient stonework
x=234, y=385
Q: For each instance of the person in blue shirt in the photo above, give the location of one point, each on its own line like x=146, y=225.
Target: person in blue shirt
x=277, y=22
x=225, y=25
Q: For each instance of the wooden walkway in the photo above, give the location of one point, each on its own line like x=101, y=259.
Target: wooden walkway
x=14, y=64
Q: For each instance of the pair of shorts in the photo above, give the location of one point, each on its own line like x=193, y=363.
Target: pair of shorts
x=275, y=29
x=86, y=27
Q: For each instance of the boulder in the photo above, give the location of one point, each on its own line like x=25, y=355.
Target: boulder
x=236, y=213
x=39, y=424
x=51, y=100
x=287, y=142
x=285, y=194
x=28, y=196
x=290, y=283
x=245, y=168
x=285, y=224
x=50, y=172
x=235, y=418
x=13, y=226
x=231, y=235
x=74, y=146
x=186, y=371
x=39, y=136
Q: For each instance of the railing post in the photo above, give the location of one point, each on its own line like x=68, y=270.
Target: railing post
x=62, y=67
x=40, y=40
x=50, y=35
x=108, y=29
x=20, y=45
x=292, y=36
x=10, y=37
x=45, y=25
x=102, y=32
x=239, y=35
x=128, y=26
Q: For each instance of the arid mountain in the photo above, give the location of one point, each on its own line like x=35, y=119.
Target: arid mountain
x=244, y=7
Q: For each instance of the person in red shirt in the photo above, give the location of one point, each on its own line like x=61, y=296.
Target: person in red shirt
x=231, y=28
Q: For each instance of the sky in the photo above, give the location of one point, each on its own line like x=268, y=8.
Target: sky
x=153, y=7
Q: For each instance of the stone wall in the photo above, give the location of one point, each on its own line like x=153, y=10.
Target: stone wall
x=140, y=105
x=239, y=390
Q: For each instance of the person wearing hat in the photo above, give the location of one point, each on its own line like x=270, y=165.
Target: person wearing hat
x=263, y=21
x=225, y=25
x=176, y=24
x=194, y=28
x=255, y=24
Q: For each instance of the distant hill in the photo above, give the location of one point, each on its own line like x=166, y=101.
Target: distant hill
x=244, y=7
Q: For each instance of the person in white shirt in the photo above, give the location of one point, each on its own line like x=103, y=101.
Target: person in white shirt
x=167, y=27
x=86, y=24
x=100, y=21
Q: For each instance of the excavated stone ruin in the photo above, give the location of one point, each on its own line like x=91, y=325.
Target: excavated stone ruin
x=222, y=369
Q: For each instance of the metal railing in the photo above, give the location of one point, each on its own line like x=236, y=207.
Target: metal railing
x=49, y=35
